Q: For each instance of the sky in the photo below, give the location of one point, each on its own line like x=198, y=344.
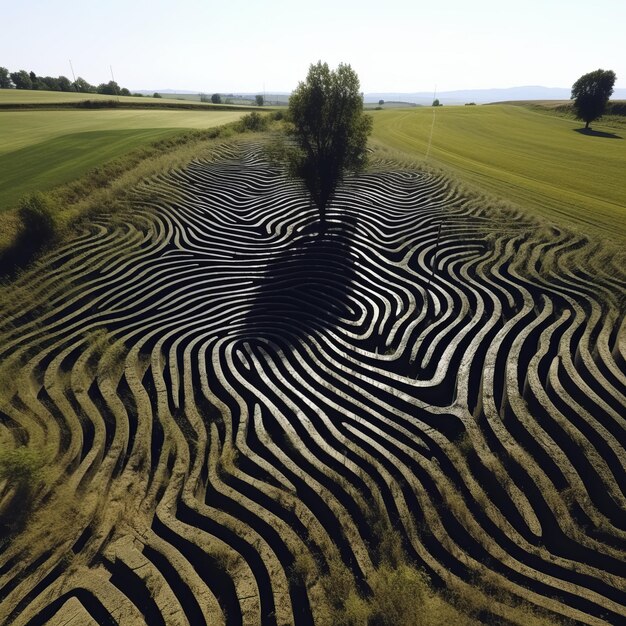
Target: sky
x=395, y=46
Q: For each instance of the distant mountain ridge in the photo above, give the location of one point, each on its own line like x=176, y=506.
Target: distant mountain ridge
x=461, y=96
x=482, y=96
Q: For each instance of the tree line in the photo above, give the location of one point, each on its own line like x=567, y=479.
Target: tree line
x=216, y=98
x=29, y=80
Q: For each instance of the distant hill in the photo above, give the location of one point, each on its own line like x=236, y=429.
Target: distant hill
x=482, y=96
x=239, y=97
x=462, y=96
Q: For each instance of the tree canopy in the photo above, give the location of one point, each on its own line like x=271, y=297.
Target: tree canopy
x=83, y=86
x=21, y=80
x=591, y=93
x=329, y=131
x=216, y=98
x=5, y=79
x=29, y=80
x=110, y=89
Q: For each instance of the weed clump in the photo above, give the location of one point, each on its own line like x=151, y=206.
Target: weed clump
x=400, y=594
x=21, y=468
x=106, y=353
x=21, y=475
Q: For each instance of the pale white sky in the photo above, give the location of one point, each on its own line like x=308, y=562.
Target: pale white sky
x=239, y=45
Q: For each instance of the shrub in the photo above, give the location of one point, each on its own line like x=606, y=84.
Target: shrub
x=36, y=216
x=253, y=121
x=97, y=104
x=37, y=230
x=398, y=597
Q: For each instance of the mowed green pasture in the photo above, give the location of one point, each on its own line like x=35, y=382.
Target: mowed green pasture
x=536, y=160
x=42, y=149
x=27, y=96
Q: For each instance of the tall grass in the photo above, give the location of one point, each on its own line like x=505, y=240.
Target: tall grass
x=21, y=475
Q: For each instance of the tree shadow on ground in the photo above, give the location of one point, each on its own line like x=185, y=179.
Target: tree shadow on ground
x=596, y=133
x=306, y=285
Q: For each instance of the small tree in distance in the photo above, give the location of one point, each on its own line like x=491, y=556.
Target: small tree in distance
x=5, y=79
x=436, y=102
x=591, y=93
x=83, y=86
x=21, y=80
x=216, y=98
x=110, y=89
x=260, y=100
x=329, y=131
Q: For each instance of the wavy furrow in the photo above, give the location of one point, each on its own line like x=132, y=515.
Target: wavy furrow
x=230, y=405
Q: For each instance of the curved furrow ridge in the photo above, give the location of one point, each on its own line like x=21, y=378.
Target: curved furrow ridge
x=214, y=411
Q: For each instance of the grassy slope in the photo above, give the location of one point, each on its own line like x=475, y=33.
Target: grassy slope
x=41, y=149
x=534, y=159
x=26, y=96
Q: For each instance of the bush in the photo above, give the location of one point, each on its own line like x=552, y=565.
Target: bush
x=253, y=121
x=37, y=231
x=278, y=116
x=36, y=216
x=97, y=104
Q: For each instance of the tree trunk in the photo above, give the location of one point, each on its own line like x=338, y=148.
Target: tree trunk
x=586, y=125
x=322, y=218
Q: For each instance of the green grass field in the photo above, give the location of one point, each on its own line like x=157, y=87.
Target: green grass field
x=534, y=159
x=26, y=96
x=42, y=149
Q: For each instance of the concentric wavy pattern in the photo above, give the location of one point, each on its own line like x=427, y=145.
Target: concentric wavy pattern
x=220, y=391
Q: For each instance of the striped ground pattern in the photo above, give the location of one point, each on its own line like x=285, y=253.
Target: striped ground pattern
x=221, y=391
